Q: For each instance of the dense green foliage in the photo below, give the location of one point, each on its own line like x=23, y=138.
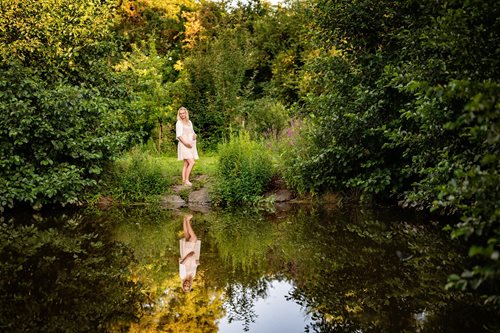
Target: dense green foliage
x=404, y=100
x=63, y=275
x=62, y=109
x=245, y=170
x=390, y=101
x=238, y=66
x=136, y=176
x=151, y=103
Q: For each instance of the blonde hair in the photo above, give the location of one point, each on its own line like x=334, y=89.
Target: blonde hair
x=187, y=113
x=190, y=279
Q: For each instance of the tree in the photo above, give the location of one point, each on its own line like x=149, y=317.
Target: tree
x=403, y=99
x=63, y=112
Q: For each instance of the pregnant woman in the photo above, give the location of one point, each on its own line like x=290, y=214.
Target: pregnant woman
x=189, y=258
x=186, y=148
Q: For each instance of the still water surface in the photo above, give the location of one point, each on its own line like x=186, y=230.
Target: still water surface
x=306, y=269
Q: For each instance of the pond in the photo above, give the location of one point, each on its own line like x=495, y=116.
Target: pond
x=299, y=269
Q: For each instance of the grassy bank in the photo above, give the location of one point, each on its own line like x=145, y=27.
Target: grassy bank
x=240, y=172
x=141, y=175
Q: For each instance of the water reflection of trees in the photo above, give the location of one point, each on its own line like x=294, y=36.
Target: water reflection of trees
x=155, y=241
x=242, y=266
x=239, y=304
x=369, y=274
x=353, y=271
x=173, y=310
x=63, y=275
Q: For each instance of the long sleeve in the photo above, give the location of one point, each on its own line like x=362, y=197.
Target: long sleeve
x=192, y=127
x=178, y=129
x=182, y=271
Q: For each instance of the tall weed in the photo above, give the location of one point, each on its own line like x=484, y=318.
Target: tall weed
x=294, y=150
x=244, y=171
x=137, y=176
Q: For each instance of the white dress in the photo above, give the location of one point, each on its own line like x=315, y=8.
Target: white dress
x=188, y=267
x=187, y=134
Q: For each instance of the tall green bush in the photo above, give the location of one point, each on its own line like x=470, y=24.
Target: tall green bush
x=136, y=176
x=63, y=112
x=404, y=102
x=152, y=101
x=212, y=82
x=264, y=116
x=244, y=171
x=297, y=166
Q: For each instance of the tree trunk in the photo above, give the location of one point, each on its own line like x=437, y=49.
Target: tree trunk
x=160, y=136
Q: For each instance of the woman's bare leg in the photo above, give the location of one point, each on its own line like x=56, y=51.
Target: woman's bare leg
x=184, y=169
x=188, y=169
x=189, y=234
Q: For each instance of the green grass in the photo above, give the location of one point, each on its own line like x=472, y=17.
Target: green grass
x=144, y=175
x=206, y=165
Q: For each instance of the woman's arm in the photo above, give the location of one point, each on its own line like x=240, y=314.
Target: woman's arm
x=178, y=129
x=187, y=144
x=181, y=260
x=178, y=133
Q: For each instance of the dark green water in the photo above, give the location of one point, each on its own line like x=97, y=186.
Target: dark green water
x=303, y=270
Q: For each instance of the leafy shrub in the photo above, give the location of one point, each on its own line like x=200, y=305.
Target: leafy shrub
x=296, y=149
x=245, y=169
x=152, y=101
x=264, y=116
x=137, y=176
x=63, y=112
x=54, y=140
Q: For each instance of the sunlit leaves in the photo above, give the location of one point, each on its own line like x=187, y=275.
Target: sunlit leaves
x=63, y=110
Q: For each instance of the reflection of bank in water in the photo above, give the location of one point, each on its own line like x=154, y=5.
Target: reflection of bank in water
x=351, y=270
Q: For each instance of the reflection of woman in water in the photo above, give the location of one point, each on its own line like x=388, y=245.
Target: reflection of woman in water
x=190, y=254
